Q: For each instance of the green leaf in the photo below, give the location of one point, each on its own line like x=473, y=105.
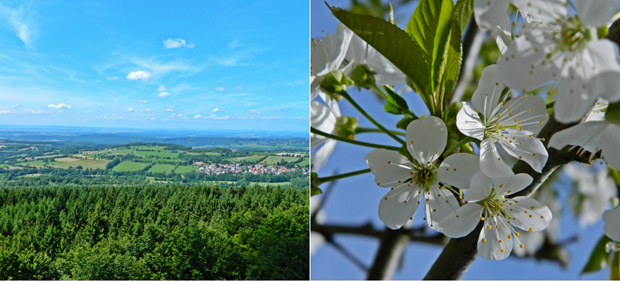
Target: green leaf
x=315, y=191
x=613, y=112
x=389, y=40
x=452, y=60
x=427, y=25
x=614, y=273
x=462, y=12
x=402, y=124
x=599, y=258
x=394, y=103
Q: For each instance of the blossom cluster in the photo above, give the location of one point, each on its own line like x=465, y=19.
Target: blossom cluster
x=547, y=44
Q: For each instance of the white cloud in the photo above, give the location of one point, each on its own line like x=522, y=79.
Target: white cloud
x=238, y=88
x=163, y=94
x=161, y=89
x=176, y=43
x=15, y=105
x=59, y=106
x=130, y=109
x=233, y=44
x=215, y=110
x=219, y=89
x=170, y=109
x=143, y=101
x=270, y=117
x=254, y=111
x=139, y=75
x=181, y=116
x=5, y=111
x=213, y=116
x=197, y=116
x=21, y=22
x=111, y=78
x=145, y=110
x=36, y=111
x=153, y=118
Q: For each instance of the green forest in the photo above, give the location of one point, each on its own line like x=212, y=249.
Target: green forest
x=154, y=232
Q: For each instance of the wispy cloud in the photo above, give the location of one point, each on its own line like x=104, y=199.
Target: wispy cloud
x=59, y=106
x=161, y=89
x=143, y=101
x=197, y=116
x=20, y=21
x=139, y=75
x=111, y=78
x=170, y=109
x=163, y=94
x=215, y=110
x=130, y=109
x=176, y=43
x=220, y=89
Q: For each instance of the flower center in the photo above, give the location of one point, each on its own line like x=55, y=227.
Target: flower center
x=573, y=36
x=494, y=204
x=426, y=176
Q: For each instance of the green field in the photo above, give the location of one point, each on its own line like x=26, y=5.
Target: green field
x=35, y=163
x=161, y=168
x=129, y=166
x=304, y=163
x=67, y=162
x=185, y=169
x=157, y=154
x=272, y=160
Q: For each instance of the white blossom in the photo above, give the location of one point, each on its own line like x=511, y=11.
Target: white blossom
x=487, y=201
x=323, y=117
x=591, y=136
x=595, y=189
x=532, y=241
x=557, y=45
x=612, y=228
x=507, y=129
x=360, y=52
x=410, y=179
x=328, y=55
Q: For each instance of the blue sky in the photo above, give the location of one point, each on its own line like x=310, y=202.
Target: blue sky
x=155, y=64
x=354, y=201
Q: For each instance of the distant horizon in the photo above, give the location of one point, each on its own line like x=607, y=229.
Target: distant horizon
x=188, y=129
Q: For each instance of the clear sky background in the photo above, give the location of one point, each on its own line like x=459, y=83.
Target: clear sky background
x=354, y=201
x=155, y=64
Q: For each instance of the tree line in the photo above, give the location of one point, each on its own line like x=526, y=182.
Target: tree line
x=153, y=232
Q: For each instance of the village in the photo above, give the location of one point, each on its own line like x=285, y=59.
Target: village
x=257, y=169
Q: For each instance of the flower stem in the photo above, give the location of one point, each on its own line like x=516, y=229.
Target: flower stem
x=354, y=104
x=341, y=176
x=456, y=146
x=368, y=144
x=360, y=130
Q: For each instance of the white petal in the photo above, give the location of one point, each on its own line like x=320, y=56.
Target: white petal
x=469, y=123
x=574, y=97
x=492, y=234
x=328, y=54
x=587, y=135
x=389, y=168
x=512, y=184
x=486, y=97
x=547, y=11
x=492, y=15
x=491, y=162
x=440, y=203
x=529, y=49
x=596, y=13
x=321, y=155
x=458, y=169
x=527, y=214
x=386, y=73
x=480, y=188
x=426, y=139
x=322, y=117
x=605, y=59
x=527, y=110
x=611, y=151
x=612, y=224
x=526, y=148
x=462, y=222
x=399, y=205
